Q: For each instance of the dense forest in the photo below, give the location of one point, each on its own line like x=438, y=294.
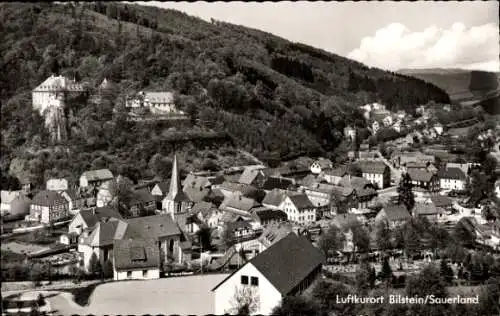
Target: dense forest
x=242, y=88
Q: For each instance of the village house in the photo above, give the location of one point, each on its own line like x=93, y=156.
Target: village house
x=274, y=198
x=319, y=194
x=387, y=120
x=277, y=183
x=141, y=203
x=99, y=240
x=241, y=230
x=288, y=267
x=333, y=176
x=137, y=259
x=442, y=203
x=398, y=126
x=299, y=209
x=87, y=219
x=346, y=223
x=320, y=165
x=270, y=235
x=438, y=127
x=76, y=200
x=238, y=204
x=230, y=189
x=366, y=197
x=452, y=179
x=48, y=207
x=424, y=181
x=162, y=101
x=161, y=188
x=58, y=185
x=196, y=194
x=402, y=158
x=375, y=127
x=6, y=199
x=349, y=181
x=95, y=178
x=429, y=211
x=345, y=196
x=14, y=207
x=255, y=176
x=265, y=217
x=377, y=172
x=393, y=215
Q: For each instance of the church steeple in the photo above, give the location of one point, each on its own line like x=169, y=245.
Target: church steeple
x=175, y=187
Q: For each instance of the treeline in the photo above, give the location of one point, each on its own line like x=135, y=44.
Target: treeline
x=292, y=67
x=397, y=93
x=483, y=81
x=122, y=13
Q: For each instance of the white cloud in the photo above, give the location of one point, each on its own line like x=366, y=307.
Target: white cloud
x=395, y=46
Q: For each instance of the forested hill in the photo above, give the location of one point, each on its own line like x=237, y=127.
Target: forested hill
x=269, y=95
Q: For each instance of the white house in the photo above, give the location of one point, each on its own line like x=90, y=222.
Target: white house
x=95, y=177
x=299, y=209
x=48, y=207
x=377, y=172
x=136, y=259
x=387, y=121
x=7, y=197
x=54, y=88
x=438, y=128
x=375, y=127
x=57, y=185
x=452, y=179
x=320, y=165
x=86, y=219
x=286, y=268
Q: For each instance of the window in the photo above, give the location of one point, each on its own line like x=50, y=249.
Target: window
x=244, y=279
x=255, y=281
x=144, y=273
x=129, y=274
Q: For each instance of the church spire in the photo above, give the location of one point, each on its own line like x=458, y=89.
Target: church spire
x=175, y=187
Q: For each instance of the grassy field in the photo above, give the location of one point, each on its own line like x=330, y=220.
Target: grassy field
x=22, y=248
x=183, y=296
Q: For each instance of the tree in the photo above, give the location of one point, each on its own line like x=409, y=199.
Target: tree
x=296, y=306
x=365, y=278
x=332, y=240
x=405, y=192
x=94, y=264
x=411, y=239
x=446, y=272
x=361, y=239
x=463, y=233
x=107, y=269
x=205, y=237
x=386, y=273
x=383, y=236
x=228, y=238
x=427, y=282
x=36, y=273
x=245, y=301
x=326, y=292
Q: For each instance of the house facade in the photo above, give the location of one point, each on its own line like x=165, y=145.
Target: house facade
x=95, y=178
x=424, y=181
x=377, y=172
x=48, y=207
x=160, y=100
x=54, y=88
x=393, y=215
x=136, y=259
x=452, y=179
x=299, y=209
x=288, y=267
x=320, y=165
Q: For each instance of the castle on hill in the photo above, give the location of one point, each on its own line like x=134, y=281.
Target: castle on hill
x=53, y=92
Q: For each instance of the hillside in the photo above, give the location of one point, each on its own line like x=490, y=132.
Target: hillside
x=463, y=86
x=252, y=90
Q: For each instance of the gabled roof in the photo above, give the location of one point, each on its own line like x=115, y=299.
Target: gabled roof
x=98, y=175
x=249, y=175
x=59, y=83
x=425, y=209
x=420, y=175
x=264, y=215
x=240, y=203
x=301, y=201
x=337, y=172
x=396, y=212
x=57, y=184
x=441, y=201
x=161, y=97
x=163, y=186
x=309, y=180
x=136, y=254
x=373, y=167
x=8, y=196
x=323, y=163
x=202, y=207
x=451, y=173
x=156, y=226
x=48, y=198
x=277, y=183
x=92, y=216
x=196, y=194
x=366, y=192
x=274, y=197
x=349, y=181
x=105, y=232
x=274, y=233
x=286, y=263
x=237, y=225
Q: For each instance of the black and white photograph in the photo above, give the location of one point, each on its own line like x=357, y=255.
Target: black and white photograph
x=322, y=158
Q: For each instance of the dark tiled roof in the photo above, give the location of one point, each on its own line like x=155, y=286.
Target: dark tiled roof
x=309, y=180
x=451, y=173
x=164, y=186
x=337, y=172
x=156, y=226
x=136, y=254
x=105, y=232
x=274, y=197
x=92, y=216
x=141, y=196
x=366, y=192
x=425, y=209
x=48, y=198
x=353, y=182
x=396, y=212
x=301, y=201
x=372, y=167
x=202, y=207
x=249, y=175
x=420, y=175
x=196, y=194
x=239, y=203
x=265, y=215
x=441, y=201
x=287, y=262
x=276, y=183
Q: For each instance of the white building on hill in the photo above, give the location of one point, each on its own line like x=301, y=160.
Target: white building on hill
x=53, y=92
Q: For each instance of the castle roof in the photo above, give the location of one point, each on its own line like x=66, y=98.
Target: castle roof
x=59, y=83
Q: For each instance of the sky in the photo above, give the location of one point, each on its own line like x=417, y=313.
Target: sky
x=388, y=35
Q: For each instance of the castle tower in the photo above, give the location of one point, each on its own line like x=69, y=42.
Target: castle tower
x=176, y=203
